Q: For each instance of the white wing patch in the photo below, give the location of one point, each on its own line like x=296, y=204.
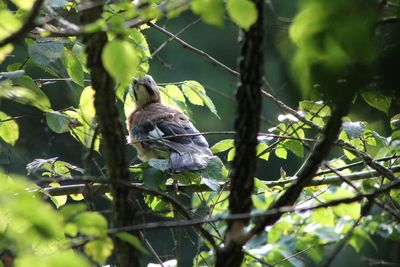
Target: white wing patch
x=156, y=133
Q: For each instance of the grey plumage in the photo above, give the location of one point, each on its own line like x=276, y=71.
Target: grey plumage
x=153, y=119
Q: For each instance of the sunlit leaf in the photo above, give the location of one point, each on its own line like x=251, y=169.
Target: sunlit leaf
x=120, y=60
x=99, y=250
x=294, y=146
x=91, y=223
x=377, y=100
x=73, y=66
x=222, y=146
x=242, y=12
x=210, y=11
x=9, y=130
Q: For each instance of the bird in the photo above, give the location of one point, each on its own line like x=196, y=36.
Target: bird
x=153, y=119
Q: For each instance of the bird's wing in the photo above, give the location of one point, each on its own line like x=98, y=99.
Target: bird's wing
x=190, y=151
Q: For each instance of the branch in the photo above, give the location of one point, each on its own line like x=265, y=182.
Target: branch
x=112, y=136
x=27, y=26
x=194, y=49
x=103, y=186
x=272, y=212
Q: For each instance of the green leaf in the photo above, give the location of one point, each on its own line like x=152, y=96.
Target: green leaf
x=281, y=152
x=46, y=52
x=153, y=178
x=132, y=240
x=262, y=151
x=294, y=146
x=210, y=11
x=121, y=61
x=9, y=130
x=277, y=230
x=5, y=50
x=231, y=154
x=57, y=122
x=59, y=201
x=63, y=259
x=91, y=223
x=395, y=122
x=353, y=210
x=222, y=146
x=86, y=104
x=377, y=100
x=191, y=89
x=173, y=91
x=73, y=66
x=29, y=94
x=324, y=217
x=99, y=250
x=23, y=4
x=211, y=183
x=242, y=12
x=129, y=105
x=216, y=169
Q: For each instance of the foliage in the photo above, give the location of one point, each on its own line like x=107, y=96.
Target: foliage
x=41, y=227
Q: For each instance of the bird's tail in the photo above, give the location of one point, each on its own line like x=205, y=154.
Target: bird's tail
x=188, y=161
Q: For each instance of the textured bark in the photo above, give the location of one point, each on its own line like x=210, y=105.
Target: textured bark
x=113, y=139
x=247, y=124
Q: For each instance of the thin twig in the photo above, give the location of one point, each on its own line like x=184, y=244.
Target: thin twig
x=194, y=49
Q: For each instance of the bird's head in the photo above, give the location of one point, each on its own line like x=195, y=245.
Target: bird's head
x=145, y=91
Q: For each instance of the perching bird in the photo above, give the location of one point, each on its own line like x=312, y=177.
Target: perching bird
x=153, y=119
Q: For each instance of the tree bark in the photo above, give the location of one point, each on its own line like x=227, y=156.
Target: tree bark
x=247, y=124
x=112, y=137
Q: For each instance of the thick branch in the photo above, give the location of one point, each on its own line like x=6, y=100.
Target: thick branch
x=113, y=137
x=247, y=124
x=104, y=187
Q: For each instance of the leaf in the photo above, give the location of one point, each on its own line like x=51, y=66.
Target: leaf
x=377, y=100
x=9, y=130
x=211, y=183
x=132, y=240
x=129, y=105
x=27, y=92
x=191, y=89
x=222, y=146
x=395, y=122
x=59, y=201
x=120, y=60
x=57, y=122
x=216, y=169
x=262, y=151
x=210, y=11
x=173, y=91
x=324, y=217
x=73, y=66
x=23, y=4
x=153, y=178
x=231, y=154
x=99, y=250
x=281, y=152
x=86, y=104
x=91, y=223
x=242, y=12
x=5, y=50
x=63, y=259
x=46, y=52
x=294, y=146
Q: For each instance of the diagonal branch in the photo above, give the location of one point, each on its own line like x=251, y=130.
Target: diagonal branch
x=27, y=26
x=193, y=49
